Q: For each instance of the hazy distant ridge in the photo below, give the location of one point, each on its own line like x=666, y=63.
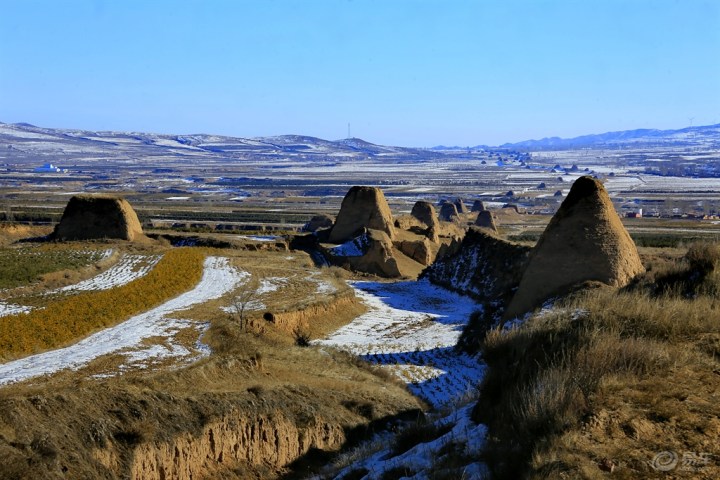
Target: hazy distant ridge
x=688, y=135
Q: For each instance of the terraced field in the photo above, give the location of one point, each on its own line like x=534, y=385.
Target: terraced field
x=130, y=337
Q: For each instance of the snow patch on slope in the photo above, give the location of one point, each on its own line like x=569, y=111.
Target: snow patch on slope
x=127, y=269
x=411, y=329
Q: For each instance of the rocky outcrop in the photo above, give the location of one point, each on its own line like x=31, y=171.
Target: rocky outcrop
x=317, y=222
x=484, y=267
x=486, y=220
x=425, y=213
x=584, y=241
x=448, y=212
x=362, y=207
x=92, y=217
x=408, y=222
x=400, y=249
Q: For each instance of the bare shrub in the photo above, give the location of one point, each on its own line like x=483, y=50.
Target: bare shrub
x=302, y=338
x=244, y=297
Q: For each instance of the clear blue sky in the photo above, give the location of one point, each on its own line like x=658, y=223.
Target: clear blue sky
x=415, y=73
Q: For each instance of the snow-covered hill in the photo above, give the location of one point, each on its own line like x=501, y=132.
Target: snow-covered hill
x=28, y=138
x=689, y=136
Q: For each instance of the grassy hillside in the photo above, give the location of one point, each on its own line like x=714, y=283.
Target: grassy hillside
x=624, y=382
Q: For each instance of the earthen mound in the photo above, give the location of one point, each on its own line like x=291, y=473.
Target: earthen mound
x=425, y=213
x=362, y=207
x=486, y=220
x=370, y=252
x=91, y=217
x=477, y=206
x=319, y=221
x=584, y=241
x=448, y=212
x=460, y=205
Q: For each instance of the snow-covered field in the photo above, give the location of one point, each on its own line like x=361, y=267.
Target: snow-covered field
x=128, y=337
x=127, y=269
x=411, y=329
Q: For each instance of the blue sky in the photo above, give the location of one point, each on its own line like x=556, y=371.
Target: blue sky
x=401, y=72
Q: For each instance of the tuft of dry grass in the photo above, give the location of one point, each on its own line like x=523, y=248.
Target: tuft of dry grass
x=589, y=387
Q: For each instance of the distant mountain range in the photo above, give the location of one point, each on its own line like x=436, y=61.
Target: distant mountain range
x=28, y=139
x=704, y=135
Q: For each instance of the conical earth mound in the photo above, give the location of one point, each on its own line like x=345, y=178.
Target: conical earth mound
x=362, y=207
x=584, y=241
x=97, y=216
x=486, y=220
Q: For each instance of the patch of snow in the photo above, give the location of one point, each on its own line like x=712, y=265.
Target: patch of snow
x=352, y=248
x=260, y=238
x=271, y=284
x=12, y=309
x=323, y=286
x=127, y=269
x=267, y=285
x=411, y=329
x=219, y=277
x=421, y=460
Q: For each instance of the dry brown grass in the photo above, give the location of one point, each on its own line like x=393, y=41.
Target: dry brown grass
x=610, y=379
x=70, y=420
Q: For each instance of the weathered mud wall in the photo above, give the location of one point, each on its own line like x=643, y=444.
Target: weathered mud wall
x=270, y=440
x=307, y=317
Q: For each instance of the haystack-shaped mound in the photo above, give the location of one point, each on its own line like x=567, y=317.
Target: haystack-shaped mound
x=584, y=241
x=460, y=205
x=425, y=213
x=89, y=217
x=362, y=207
x=486, y=220
x=448, y=212
x=477, y=206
